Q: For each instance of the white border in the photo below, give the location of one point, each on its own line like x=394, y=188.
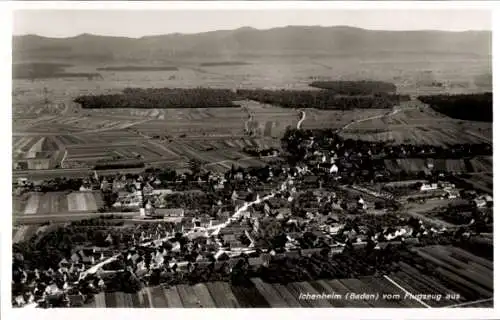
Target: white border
x=5, y=249
x=250, y=5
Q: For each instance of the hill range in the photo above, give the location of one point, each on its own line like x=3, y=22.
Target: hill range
x=291, y=41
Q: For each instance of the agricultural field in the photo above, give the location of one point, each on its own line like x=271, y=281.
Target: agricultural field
x=482, y=182
x=476, y=165
x=423, y=211
x=24, y=232
x=46, y=120
x=317, y=119
x=56, y=203
x=461, y=270
x=418, y=124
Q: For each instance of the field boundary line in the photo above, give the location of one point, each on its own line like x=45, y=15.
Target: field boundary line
x=407, y=292
x=469, y=303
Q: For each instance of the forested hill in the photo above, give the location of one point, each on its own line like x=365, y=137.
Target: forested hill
x=249, y=42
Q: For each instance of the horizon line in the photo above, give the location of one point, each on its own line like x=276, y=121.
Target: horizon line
x=249, y=28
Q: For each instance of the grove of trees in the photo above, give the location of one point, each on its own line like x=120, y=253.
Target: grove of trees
x=161, y=98
x=474, y=107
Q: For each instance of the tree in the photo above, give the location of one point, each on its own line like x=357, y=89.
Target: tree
x=195, y=167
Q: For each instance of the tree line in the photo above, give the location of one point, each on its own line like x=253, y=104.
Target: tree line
x=363, y=87
x=322, y=99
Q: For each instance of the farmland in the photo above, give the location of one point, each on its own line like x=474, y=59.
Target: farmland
x=452, y=282
x=418, y=124
x=482, y=181
x=24, y=232
x=46, y=70
x=46, y=121
x=38, y=203
x=138, y=68
x=476, y=164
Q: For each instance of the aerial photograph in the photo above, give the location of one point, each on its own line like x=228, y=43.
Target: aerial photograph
x=252, y=159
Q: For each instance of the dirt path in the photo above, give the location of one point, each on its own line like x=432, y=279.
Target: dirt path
x=299, y=124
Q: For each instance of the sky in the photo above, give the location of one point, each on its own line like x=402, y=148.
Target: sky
x=134, y=23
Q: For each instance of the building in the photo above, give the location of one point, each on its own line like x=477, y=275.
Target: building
x=428, y=187
x=171, y=215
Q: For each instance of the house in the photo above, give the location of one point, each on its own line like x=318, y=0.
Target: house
x=171, y=215
x=452, y=194
x=262, y=260
x=335, y=249
x=147, y=189
x=22, y=181
x=310, y=252
x=160, y=192
x=75, y=258
x=429, y=164
x=229, y=237
x=480, y=202
x=428, y=187
x=446, y=185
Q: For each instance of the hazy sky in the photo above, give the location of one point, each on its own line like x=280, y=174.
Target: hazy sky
x=66, y=23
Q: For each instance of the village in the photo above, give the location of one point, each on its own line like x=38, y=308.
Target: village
x=184, y=223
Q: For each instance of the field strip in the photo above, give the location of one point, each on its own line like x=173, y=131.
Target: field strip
x=20, y=143
x=20, y=234
x=469, y=303
x=162, y=147
x=407, y=292
x=222, y=162
x=90, y=202
x=32, y=205
x=40, y=120
x=480, y=137
x=37, y=147
x=24, y=143
x=120, y=127
x=76, y=202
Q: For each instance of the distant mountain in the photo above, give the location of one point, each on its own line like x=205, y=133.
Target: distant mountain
x=249, y=42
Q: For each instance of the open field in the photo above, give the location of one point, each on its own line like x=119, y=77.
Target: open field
x=482, y=182
x=422, y=211
x=37, y=203
x=476, y=164
x=418, y=124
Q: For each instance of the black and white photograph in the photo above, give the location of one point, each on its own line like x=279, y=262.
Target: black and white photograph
x=251, y=157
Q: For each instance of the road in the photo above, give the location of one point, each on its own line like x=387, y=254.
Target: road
x=241, y=159
x=394, y=112
x=303, y=117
